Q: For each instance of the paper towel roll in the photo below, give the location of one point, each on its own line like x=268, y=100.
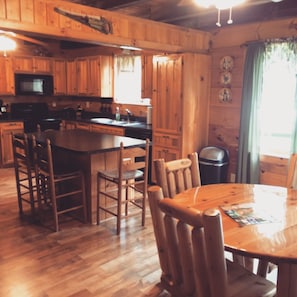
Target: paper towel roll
x=149, y=115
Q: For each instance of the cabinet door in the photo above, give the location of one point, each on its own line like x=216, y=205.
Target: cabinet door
x=23, y=64
x=42, y=65
x=82, y=126
x=82, y=66
x=108, y=129
x=6, y=77
x=6, y=130
x=167, y=93
x=147, y=77
x=71, y=77
x=59, y=71
x=94, y=76
x=106, y=76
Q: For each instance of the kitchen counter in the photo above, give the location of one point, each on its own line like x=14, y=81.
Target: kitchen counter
x=89, y=152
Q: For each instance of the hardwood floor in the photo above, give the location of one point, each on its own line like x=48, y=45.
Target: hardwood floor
x=79, y=261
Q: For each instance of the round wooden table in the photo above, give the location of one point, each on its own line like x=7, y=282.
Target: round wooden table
x=274, y=241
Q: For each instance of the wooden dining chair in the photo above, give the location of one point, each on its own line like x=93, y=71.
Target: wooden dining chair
x=24, y=173
x=59, y=189
x=191, y=253
x=178, y=175
x=292, y=172
x=124, y=185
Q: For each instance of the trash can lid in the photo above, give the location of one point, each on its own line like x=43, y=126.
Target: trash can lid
x=213, y=153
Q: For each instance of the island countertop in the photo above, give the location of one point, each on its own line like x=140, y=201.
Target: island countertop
x=86, y=142
x=89, y=152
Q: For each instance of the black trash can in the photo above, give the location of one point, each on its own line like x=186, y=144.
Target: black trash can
x=213, y=164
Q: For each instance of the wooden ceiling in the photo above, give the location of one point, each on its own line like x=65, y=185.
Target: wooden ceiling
x=187, y=14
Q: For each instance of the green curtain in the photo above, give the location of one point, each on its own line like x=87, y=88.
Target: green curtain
x=248, y=165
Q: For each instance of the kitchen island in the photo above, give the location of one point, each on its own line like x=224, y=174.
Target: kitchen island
x=88, y=151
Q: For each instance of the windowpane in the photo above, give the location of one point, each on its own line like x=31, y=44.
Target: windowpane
x=277, y=110
x=127, y=80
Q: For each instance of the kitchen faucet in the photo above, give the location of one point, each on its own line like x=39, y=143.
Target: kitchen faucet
x=129, y=114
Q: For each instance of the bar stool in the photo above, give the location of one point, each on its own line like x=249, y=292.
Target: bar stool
x=127, y=184
x=63, y=191
x=24, y=173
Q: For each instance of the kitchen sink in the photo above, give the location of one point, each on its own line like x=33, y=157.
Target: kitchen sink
x=101, y=120
x=113, y=122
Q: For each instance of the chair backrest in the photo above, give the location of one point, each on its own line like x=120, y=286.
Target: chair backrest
x=24, y=169
x=178, y=175
x=190, y=246
x=44, y=169
x=135, y=158
x=292, y=172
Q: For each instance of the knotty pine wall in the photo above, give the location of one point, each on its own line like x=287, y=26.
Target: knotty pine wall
x=225, y=116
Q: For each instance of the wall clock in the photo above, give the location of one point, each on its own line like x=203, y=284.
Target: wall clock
x=225, y=78
x=226, y=63
x=225, y=95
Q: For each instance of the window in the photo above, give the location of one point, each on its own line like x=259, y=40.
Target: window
x=127, y=79
x=278, y=106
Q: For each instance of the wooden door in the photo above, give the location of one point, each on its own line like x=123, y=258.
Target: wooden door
x=6, y=77
x=167, y=94
x=23, y=64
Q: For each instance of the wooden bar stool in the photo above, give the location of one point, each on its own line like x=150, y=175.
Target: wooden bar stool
x=126, y=184
x=24, y=173
x=60, y=189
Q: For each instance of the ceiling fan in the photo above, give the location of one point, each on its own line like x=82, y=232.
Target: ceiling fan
x=13, y=36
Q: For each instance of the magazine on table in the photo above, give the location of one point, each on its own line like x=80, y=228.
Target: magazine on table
x=247, y=214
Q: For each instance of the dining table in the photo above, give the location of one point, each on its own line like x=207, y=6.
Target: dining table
x=259, y=221
x=87, y=151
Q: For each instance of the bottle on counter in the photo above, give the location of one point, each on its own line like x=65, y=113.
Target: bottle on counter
x=117, y=114
x=79, y=112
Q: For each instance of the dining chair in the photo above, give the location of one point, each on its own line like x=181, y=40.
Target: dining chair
x=124, y=185
x=292, y=172
x=24, y=173
x=178, y=175
x=191, y=253
x=265, y=267
x=60, y=190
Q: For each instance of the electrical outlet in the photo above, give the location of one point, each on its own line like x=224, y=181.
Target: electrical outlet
x=232, y=177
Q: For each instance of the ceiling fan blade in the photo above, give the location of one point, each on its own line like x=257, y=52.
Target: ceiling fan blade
x=29, y=39
x=23, y=37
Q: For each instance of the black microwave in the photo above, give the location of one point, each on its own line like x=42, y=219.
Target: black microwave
x=34, y=84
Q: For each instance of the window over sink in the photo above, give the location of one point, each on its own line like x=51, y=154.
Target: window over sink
x=127, y=79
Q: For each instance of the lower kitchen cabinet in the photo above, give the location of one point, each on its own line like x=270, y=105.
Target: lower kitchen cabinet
x=6, y=130
x=108, y=129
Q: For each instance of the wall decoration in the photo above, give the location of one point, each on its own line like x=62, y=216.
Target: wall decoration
x=225, y=95
x=225, y=78
x=226, y=63
x=98, y=23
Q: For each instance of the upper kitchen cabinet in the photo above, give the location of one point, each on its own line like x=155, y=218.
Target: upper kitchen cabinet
x=82, y=79
x=6, y=77
x=181, y=85
x=147, y=77
x=59, y=73
x=71, y=77
x=27, y=64
x=90, y=76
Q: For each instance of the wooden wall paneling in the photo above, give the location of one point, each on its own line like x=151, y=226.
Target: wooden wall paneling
x=227, y=117
x=27, y=6
x=240, y=34
x=13, y=10
x=3, y=9
x=127, y=30
x=40, y=13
